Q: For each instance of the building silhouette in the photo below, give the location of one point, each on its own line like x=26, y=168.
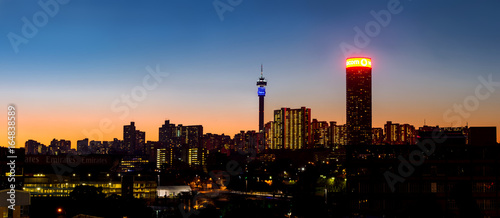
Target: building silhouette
x=133, y=140
x=82, y=147
x=34, y=147
x=359, y=101
x=57, y=147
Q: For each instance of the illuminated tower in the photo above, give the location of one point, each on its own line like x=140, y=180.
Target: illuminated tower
x=359, y=100
x=261, y=92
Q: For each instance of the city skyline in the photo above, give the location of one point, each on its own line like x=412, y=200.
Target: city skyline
x=374, y=131
x=66, y=79
x=154, y=136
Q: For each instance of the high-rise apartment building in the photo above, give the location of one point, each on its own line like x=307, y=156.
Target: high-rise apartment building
x=291, y=129
x=359, y=101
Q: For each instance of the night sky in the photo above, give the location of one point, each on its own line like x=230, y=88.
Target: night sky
x=71, y=73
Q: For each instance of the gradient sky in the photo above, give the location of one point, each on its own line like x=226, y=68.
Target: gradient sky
x=65, y=79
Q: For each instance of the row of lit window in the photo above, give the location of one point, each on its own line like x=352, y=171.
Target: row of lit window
x=72, y=185
x=142, y=185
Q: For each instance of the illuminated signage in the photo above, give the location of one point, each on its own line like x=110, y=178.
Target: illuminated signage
x=261, y=91
x=358, y=62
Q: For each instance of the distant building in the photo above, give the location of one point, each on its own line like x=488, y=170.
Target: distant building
x=95, y=147
x=134, y=140
x=244, y=141
x=191, y=136
x=129, y=138
x=377, y=136
x=140, y=147
x=216, y=142
x=320, y=136
x=167, y=134
x=399, y=134
x=57, y=147
x=359, y=101
x=338, y=134
x=82, y=147
x=34, y=147
x=116, y=147
x=151, y=148
x=177, y=136
x=269, y=134
x=196, y=156
x=162, y=157
x=447, y=135
x=291, y=129
x=181, y=143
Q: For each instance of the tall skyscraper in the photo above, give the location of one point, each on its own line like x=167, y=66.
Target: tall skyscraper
x=261, y=92
x=359, y=100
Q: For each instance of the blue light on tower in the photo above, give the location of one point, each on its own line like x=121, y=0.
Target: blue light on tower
x=261, y=91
